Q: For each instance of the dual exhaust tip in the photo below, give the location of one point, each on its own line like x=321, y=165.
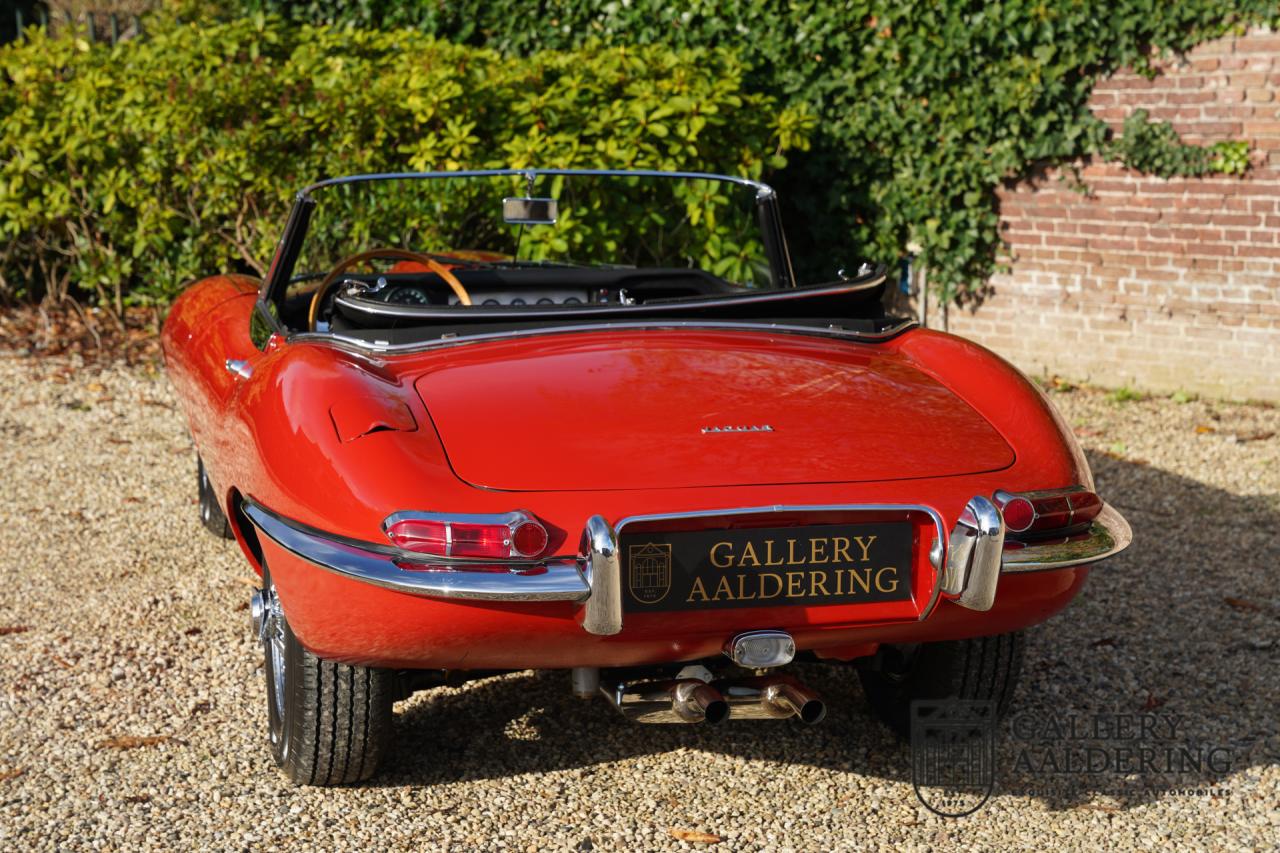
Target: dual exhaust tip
x=691, y=700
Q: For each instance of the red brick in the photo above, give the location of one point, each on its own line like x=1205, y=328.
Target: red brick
x=1156, y=281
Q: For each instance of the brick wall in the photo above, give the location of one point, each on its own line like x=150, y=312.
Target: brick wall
x=1160, y=284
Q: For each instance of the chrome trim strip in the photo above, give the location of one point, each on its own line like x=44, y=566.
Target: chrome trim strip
x=546, y=580
x=603, y=572
x=1108, y=535
x=763, y=190
x=532, y=312
x=776, y=508
x=362, y=347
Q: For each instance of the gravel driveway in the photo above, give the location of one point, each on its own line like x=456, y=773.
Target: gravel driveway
x=133, y=712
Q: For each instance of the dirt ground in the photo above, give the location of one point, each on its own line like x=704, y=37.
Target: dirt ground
x=133, y=716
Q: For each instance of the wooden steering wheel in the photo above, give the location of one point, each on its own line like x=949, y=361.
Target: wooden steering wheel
x=397, y=254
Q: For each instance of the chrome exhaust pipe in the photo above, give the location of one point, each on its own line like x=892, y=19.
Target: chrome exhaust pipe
x=775, y=697
x=681, y=700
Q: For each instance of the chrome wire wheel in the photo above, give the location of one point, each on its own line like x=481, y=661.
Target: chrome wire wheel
x=272, y=634
x=328, y=723
x=206, y=511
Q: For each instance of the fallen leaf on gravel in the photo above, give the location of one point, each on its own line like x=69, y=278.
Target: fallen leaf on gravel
x=114, y=440
x=1253, y=436
x=6, y=775
x=62, y=662
x=132, y=500
x=95, y=387
x=132, y=741
x=1153, y=701
x=13, y=629
x=138, y=798
x=1243, y=604
x=1202, y=429
x=694, y=836
x=191, y=632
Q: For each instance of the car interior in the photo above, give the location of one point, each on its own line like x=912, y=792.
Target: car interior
x=396, y=308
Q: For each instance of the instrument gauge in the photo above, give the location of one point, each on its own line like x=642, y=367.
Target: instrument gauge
x=407, y=296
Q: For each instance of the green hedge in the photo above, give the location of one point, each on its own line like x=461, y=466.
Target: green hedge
x=926, y=107
x=127, y=171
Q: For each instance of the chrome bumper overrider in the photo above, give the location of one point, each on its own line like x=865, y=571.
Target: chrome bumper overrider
x=977, y=554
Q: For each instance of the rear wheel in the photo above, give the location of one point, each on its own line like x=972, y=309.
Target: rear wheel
x=979, y=668
x=329, y=723
x=211, y=514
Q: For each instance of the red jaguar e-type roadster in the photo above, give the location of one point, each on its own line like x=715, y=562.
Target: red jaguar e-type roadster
x=588, y=420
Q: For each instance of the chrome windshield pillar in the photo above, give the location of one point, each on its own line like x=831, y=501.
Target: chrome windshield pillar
x=603, y=571
x=975, y=555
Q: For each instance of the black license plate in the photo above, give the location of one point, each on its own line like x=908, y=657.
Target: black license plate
x=766, y=567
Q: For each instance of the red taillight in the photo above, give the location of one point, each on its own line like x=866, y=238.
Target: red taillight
x=1047, y=511
x=422, y=535
x=529, y=539
x=1019, y=514
x=498, y=537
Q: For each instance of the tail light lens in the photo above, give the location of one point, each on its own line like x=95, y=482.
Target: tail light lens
x=1048, y=511
x=514, y=535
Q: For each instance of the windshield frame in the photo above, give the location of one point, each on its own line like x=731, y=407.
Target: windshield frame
x=287, y=250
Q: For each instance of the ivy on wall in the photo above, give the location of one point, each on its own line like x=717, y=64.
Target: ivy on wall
x=925, y=108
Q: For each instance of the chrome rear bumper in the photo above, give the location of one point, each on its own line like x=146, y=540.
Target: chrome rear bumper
x=977, y=555
x=1108, y=535
x=560, y=579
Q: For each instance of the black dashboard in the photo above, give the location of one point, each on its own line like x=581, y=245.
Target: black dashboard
x=416, y=294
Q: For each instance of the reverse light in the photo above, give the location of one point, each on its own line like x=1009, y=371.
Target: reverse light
x=1047, y=511
x=761, y=649
x=513, y=535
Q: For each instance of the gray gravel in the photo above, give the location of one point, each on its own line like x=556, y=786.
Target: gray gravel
x=133, y=711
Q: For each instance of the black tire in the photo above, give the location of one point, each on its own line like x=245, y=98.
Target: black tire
x=211, y=514
x=980, y=668
x=333, y=723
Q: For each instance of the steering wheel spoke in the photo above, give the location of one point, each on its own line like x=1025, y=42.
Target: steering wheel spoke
x=428, y=260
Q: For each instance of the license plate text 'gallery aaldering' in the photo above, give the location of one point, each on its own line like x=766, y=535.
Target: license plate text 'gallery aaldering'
x=827, y=564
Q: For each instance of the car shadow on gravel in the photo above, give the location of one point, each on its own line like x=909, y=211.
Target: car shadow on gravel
x=1159, y=680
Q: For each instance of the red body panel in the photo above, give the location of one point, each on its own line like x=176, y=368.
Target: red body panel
x=576, y=422
x=627, y=412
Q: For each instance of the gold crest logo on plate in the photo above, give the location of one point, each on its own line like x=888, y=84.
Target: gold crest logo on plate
x=650, y=574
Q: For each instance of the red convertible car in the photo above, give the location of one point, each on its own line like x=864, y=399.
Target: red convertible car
x=588, y=420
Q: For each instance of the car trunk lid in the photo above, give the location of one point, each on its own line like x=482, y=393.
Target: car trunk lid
x=670, y=409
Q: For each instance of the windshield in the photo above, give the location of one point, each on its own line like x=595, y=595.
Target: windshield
x=602, y=221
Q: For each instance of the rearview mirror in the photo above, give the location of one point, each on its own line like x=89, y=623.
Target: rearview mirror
x=530, y=211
